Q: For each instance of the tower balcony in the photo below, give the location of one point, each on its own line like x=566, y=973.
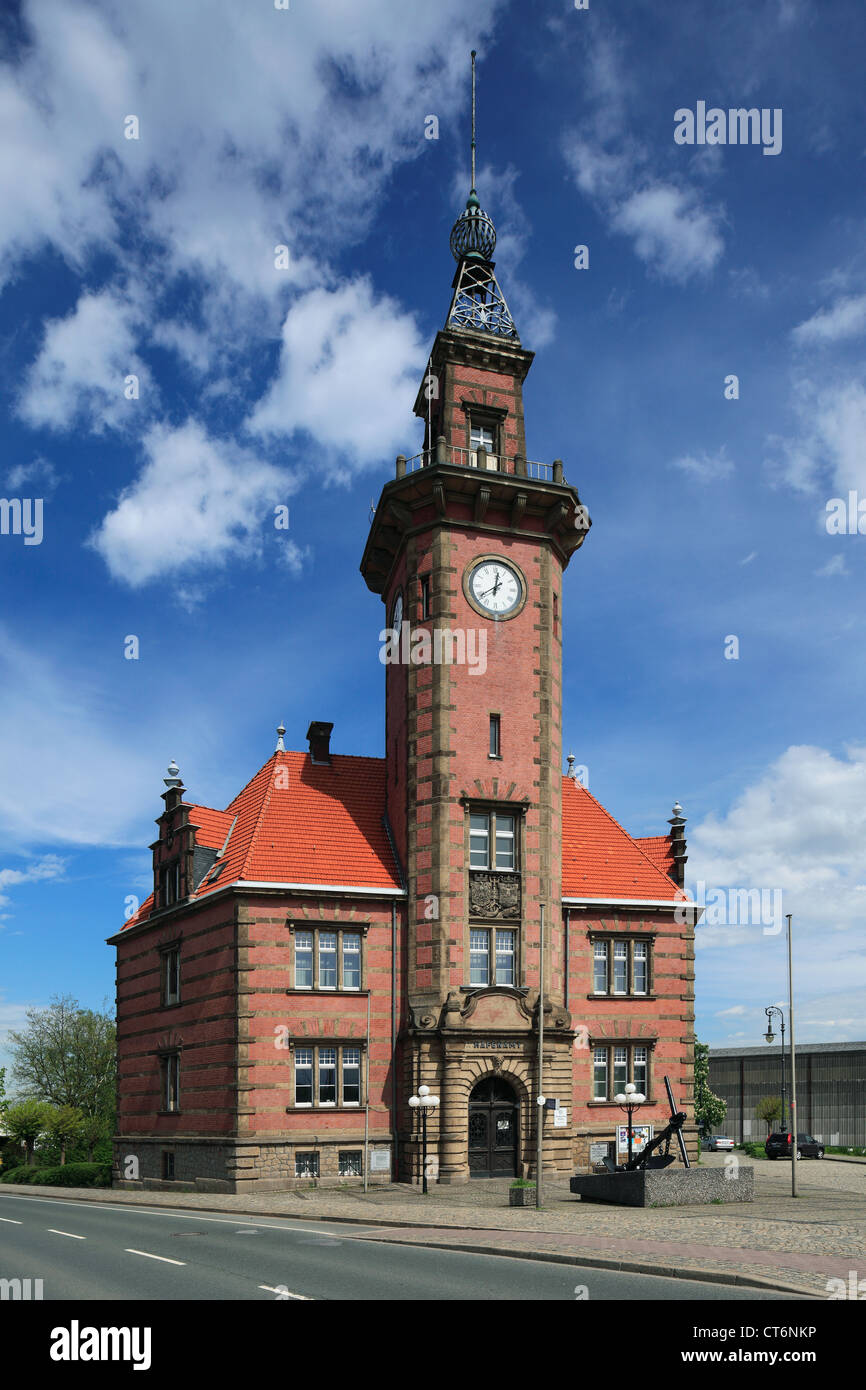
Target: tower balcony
x=481, y=461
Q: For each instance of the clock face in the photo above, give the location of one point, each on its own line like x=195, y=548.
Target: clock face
x=496, y=587
x=397, y=612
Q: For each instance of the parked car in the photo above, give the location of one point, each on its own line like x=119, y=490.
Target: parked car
x=717, y=1142
x=779, y=1146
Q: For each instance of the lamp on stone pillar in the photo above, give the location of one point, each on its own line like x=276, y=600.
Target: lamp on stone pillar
x=424, y=1102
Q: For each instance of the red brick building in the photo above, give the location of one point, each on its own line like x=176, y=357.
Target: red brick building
x=349, y=929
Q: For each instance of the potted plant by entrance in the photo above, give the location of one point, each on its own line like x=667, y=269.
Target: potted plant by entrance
x=521, y=1193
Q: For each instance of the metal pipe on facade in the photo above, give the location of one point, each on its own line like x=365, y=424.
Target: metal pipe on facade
x=539, y=1119
x=395, y=1162
x=794, y=1119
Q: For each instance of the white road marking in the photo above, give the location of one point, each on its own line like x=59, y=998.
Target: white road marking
x=148, y=1256
x=289, y=1228
x=284, y=1293
x=51, y=1231
x=9, y=1221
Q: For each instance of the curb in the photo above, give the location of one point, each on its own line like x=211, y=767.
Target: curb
x=707, y=1276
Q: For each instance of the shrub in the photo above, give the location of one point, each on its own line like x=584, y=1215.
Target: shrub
x=67, y=1175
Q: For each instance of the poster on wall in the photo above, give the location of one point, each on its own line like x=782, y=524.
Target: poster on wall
x=640, y=1137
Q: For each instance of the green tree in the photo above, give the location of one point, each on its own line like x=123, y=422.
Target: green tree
x=95, y=1129
x=3, y=1101
x=710, y=1109
x=26, y=1121
x=66, y=1056
x=769, y=1109
x=65, y=1125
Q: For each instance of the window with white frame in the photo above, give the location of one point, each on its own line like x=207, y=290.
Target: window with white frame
x=599, y=1073
x=615, y=1064
x=599, y=967
x=171, y=975
x=351, y=960
x=351, y=1076
x=328, y=1076
x=620, y=966
x=492, y=956
x=640, y=967
x=303, y=960
x=170, y=1080
x=303, y=1076
x=328, y=958
x=497, y=829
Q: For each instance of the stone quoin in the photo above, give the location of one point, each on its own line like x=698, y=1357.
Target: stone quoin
x=409, y=890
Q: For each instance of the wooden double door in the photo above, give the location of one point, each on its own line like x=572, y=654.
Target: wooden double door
x=493, y=1130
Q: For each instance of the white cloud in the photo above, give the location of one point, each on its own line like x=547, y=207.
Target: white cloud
x=735, y=1011
x=836, y=565
x=258, y=127
x=845, y=319
x=349, y=362
x=197, y=501
x=707, y=468
x=295, y=557
x=672, y=233
x=40, y=471
x=800, y=828
x=50, y=866
x=828, y=448
x=81, y=368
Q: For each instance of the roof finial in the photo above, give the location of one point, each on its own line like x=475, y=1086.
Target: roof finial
x=173, y=779
x=280, y=748
x=570, y=761
x=473, y=120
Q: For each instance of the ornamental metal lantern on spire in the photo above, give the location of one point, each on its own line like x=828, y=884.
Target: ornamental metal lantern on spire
x=478, y=304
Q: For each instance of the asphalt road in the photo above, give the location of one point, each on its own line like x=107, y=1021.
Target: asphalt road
x=84, y=1251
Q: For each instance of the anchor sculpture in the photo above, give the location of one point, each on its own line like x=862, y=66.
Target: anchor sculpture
x=648, y=1157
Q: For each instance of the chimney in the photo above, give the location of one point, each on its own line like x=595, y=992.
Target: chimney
x=319, y=736
x=677, y=838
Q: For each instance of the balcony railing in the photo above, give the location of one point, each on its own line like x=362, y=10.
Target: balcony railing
x=480, y=459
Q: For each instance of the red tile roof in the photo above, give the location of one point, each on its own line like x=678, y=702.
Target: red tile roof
x=301, y=822
x=599, y=858
x=658, y=847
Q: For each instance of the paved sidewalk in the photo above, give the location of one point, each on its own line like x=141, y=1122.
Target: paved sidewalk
x=777, y=1240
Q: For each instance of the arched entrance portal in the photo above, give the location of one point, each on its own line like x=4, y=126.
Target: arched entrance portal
x=493, y=1129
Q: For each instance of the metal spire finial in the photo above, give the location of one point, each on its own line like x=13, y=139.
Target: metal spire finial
x=280, y=748
x=473, y=120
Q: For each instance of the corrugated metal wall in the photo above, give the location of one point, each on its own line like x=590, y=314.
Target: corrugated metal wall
x=831, y=1093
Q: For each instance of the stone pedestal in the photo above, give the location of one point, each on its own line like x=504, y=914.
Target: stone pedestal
x=667, y=1187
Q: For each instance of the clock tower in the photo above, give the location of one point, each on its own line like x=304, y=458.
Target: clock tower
x=468, y=548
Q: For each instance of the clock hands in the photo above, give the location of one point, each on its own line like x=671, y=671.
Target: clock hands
x=495, y=586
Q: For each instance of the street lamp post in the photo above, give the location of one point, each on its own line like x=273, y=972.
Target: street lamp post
x=629, y=1101
x=770, y=1037
x=424, y=1102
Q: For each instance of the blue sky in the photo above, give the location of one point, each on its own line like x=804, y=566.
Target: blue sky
x=260, y=386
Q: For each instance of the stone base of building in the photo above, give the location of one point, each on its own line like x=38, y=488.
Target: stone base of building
x=239, y=1165
x=667, y=1187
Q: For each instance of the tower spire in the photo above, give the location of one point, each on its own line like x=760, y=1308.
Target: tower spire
x=473, y=120
x=478, y=303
